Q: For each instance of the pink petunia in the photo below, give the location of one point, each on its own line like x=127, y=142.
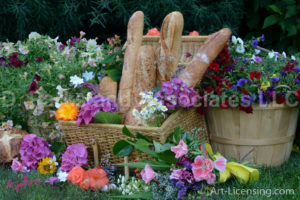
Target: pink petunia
x=220, y=164
x=202, y=167
x=147, y=173
x=180, y=150
x=176, y=174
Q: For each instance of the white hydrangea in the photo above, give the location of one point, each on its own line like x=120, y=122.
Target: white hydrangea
x=34, y=35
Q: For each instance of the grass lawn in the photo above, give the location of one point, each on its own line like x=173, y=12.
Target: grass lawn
x=286, y=176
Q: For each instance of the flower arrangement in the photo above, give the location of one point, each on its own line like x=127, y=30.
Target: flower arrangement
x=183, y=166
x=245, y=74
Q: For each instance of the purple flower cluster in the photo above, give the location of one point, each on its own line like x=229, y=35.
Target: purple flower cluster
x=176, y=93
x=74, y=40
x=75, y=155
x=93, y=106
x=33, y=149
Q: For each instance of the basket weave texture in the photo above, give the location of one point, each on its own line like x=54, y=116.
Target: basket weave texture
x=106, y=135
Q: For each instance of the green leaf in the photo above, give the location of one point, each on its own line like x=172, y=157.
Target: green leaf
x=143, y=195
x=186, y=136
x=141, y=165
x=161, y=148
x=127, y=132
x=144, y=149
x=270, y=20
x=291, y=11
x=168, y=157
x=292, y=30
x=58, y=147
x=275, y=9
x=114, y=74
x=122, y=148
x=143, y=142
x=141, y=136
x=177, y=134
x=108, y=118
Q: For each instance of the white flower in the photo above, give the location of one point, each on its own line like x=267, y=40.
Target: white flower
x=92, y=62
x=82, y=34
x=257, y=51
x=88, y=76
x=75, y=80
x=240, y=41
x=233, y=39
x=89, y=95
x=91, y=44
x=54, y=160
x=7, y=125
x=135, y=113
x=34, y=35
x=23, y=49
x=62, y=176
x=164, y=108
x=99, y=54
x=293, y=57
x=38, y=110
x=271, y=54
x=57, y=102
x=60, y=91
x=29, y=105
x=240, y=49
x=284, y=54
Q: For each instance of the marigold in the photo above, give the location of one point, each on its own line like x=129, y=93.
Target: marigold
x=67, y=112
x=47, y=166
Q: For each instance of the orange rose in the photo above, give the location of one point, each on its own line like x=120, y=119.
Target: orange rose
x=97, y=178
x=194, y=33
x=153, y=31
x=85, y=184
x=77, y=175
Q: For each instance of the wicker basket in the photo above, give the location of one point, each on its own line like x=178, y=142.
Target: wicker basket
x=189, y=44
x=106, y=135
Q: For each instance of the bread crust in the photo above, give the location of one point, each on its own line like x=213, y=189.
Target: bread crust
x=108, y=88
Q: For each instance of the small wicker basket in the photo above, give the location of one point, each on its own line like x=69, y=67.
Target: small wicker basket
x=106, y=135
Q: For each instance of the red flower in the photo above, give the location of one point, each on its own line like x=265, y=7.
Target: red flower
x=246, y=109
x=227, y=84
x=218, y=90
x=244, y=91
x=224, y=105
x=37, y=77
x=280, y=99
x=201, y=110
x=18, y=63
x=153, y=31
x=298, y=93
x=298, y=77
x=33, y=87
x=255, y=75
x=194, y=33
x=214, y=66
x=288, y=67
x=209, y=89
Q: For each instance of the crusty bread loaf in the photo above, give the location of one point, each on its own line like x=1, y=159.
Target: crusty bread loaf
x=10, y=144
x=145, y=73
x=170, y=47
x=134, y=41
x=195, y=70
x=132, y=120
x=108, y=88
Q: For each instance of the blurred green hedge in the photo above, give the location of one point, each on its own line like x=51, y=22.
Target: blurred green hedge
x=102, y=18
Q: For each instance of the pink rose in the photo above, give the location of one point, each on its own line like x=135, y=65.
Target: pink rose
x=220, y=164
x=147, y=174
x=176, y=174
x=17, y=166
x=202, y=167
x=210, y=178
x=180, y=150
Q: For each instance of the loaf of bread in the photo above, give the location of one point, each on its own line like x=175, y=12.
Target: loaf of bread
x=10, y=141
x=170, y=46
x=195, y=70
x=134, y=41
x=145, y=73
x=108, y=88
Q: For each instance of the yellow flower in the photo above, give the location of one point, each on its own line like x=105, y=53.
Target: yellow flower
x=274, y=76
x=47, y=166
x=67, y=112
x=265, y=85
x=295, y=148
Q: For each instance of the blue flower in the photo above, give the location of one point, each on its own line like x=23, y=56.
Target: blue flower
x=241, y=82
x=254, y=43
x=181, y=193
x=275, y=79
x=262, y=39
x=247, y=99
x=262, y=97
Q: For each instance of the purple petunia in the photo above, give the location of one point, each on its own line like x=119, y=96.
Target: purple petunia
x=74, y=40
x=241, y=82
x=52, y=180
x=262, y=97
x=33, y=149
x=246, y=99
x=75, y=155
x=94, y=88
x=275, y=79
x=254, y=43
x=176, y=93
x=262, y=39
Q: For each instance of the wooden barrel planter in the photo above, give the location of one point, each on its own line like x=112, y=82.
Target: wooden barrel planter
x=264, y=137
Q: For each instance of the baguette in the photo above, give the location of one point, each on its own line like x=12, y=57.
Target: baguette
x=170, y=46
x=134, y=41
x=145, y=73
x=195, y=70
x=108, y=88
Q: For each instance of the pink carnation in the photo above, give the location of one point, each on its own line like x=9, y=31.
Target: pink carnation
x=75, y=155
x=147, y=174
x=180, y=150
x=32, y=150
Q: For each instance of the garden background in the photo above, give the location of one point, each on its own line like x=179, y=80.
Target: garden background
x=278, y=20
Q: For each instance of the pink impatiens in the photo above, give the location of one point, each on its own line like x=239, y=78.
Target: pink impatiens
x=147, y=173
x=202, y=168
x=75, y=155
x=180, y=150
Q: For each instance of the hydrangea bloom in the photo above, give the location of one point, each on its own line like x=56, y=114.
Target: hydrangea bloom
x=93, y=106
x=33, y=149
x=176, y=93
x=75, y=155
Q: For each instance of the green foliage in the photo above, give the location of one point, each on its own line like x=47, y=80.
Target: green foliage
x=278, y=20
x=108, y=118
x=100, y=18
